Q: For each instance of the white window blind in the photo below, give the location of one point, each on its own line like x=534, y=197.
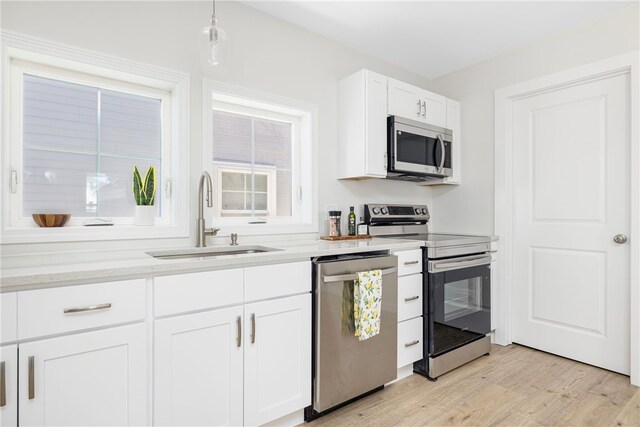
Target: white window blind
x=80, y=144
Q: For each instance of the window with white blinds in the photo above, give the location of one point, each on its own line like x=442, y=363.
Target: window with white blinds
x=80, y=144
x=75, y=139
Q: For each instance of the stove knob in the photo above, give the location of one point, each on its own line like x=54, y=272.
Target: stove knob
x=384, y=211
x=376, y=211
x=424, y=211
x=417, y=211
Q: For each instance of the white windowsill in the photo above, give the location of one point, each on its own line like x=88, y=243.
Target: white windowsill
x=93, y=233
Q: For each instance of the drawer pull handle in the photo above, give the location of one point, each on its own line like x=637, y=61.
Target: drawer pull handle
x=411, y=262
x=253, y=328
x=32, y=380
x=3, y=386
x=87, y=308
x=239, y=337
x=411, y=344
x=412, y=298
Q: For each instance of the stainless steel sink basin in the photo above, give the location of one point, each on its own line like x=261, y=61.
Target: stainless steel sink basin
x=211, y=252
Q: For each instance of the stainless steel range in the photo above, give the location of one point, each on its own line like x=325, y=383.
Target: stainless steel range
x=456, y=285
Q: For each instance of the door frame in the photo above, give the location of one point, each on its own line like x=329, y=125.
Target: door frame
x=503, y=201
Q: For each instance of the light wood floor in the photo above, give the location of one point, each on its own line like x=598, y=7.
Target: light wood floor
x=513, y=386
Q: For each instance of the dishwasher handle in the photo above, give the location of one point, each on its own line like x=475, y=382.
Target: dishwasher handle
x=354, y=276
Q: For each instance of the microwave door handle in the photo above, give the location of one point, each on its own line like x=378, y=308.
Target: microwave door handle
x=441, y=165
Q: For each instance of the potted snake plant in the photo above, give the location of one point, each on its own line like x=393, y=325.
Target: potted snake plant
x=144, y=193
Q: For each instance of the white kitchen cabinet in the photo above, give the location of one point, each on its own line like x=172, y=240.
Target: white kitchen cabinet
x=362, y=126
x=9, y=321
x=198, y=369
x=453, y=123
x=415, y=103
x=92, y=378
x=9, y=385
x=277, y=351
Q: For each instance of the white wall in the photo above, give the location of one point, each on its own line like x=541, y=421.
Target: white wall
x=469, y=207
x=266, y=54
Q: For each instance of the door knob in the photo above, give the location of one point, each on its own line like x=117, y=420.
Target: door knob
x=620, y=238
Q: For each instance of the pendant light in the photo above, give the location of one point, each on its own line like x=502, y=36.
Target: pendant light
x=213, y=46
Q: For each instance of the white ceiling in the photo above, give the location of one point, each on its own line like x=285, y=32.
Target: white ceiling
x=435, y=38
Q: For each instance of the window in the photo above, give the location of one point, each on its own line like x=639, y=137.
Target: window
x=78, y=122
x=80, y=144
x=259, y=150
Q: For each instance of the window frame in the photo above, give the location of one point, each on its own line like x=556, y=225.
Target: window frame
x=304, y=186
x=24, y=55
x=221, y=167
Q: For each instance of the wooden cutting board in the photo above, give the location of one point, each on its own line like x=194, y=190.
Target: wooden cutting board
x=345, y=237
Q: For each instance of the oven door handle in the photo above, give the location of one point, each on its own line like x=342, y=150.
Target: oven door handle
x=458, y=263
x=353, y=276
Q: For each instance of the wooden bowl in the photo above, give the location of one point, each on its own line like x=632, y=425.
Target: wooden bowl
x=51, y=220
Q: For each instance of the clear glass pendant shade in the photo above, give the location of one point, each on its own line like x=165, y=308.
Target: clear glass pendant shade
x=213, y=48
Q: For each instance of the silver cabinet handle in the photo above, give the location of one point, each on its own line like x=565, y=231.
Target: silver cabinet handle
x=424, y=108
x=443, y=153
x=239, y=337
x=353, y=276
x=87, y=308
x=411, y=344
x=412, y=298
x=419, y=108
x=253, y=328
x=620, y=239
x=411, y=262
x=3, y=386
x=32, y=380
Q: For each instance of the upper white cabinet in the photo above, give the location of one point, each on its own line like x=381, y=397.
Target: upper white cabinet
x=418, y=104
x=362, y=125
x=365, y=100
x=93, y=378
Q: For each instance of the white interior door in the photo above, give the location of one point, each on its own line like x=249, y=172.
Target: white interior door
x=571, y=177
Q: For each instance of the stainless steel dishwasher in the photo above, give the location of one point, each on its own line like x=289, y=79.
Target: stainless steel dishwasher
x=343, y=367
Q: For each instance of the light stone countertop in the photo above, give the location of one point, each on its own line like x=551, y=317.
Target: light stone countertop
x=38, y=271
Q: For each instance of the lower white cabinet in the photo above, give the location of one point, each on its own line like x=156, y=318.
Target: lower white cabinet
x=198, y=369
x=9, y=385
x=93, y=378
x=277, y=377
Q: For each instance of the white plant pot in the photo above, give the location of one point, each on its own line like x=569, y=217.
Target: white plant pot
x=145, y=215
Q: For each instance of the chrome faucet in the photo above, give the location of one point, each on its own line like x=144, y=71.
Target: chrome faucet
x=203, y=232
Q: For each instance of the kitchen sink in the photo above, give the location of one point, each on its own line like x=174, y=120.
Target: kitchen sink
x=211, y=252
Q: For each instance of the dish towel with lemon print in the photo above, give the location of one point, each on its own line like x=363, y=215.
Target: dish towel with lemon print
x=367, y=302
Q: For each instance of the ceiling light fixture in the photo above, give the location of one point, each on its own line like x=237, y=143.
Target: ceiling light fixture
x=213, y=46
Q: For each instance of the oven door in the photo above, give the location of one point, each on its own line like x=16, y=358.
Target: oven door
x=419, y=149
x=459, y=302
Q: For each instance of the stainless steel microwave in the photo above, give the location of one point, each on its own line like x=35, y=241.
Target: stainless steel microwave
x=417, y=151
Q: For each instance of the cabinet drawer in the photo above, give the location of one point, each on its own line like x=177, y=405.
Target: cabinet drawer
x=409, y=262
x=182, y=293
x=270, y=281
x=73, y=308
x=8, y=308
x=409, y=297
x=410, y=341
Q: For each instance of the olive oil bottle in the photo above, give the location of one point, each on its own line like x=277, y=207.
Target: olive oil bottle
x=352, y=222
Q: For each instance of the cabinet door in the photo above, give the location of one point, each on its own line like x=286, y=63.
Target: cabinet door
x=404, y=100
x=277, y=358
x=89, y=379
x=198, y=369
x=9, y=386
x=376, y=125
x=434, y=108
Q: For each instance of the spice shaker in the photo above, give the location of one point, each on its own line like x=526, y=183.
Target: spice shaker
x=334, y=223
